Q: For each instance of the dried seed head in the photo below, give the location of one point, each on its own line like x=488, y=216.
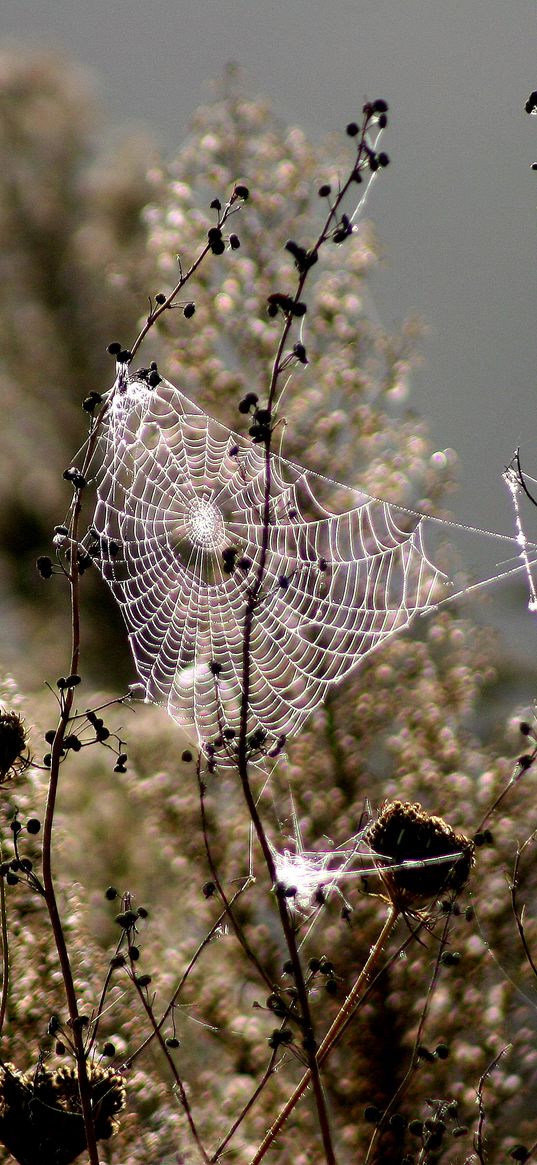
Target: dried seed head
x=13, y=755
x=40, y=1114
x=414, y=843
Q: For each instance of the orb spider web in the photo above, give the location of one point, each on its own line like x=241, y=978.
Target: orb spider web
x=179, y=533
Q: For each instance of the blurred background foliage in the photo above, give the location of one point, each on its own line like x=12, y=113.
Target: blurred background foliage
x=88, y=229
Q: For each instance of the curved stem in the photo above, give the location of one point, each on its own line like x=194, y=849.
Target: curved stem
x=5, y=955
x=48, y=880
x=333, y=1033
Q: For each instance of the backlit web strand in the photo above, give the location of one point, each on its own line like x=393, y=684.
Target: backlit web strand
x=179, y=522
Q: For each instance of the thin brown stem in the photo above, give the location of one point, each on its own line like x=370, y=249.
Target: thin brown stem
x=249, y=1105
x=5, y=955
x=344, y=1015
x=165, y=1050
x=48, y=880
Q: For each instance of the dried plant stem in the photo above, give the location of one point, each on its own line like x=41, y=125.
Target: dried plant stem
x=48, y=881
x=179, y=1083
x=5, y=956
x=237, y=928
x=249, y=1104
x=340, y=1022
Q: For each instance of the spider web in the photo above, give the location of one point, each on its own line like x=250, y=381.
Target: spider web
x=179, y=536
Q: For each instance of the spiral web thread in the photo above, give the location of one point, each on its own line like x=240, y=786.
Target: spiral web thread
x=176, y=491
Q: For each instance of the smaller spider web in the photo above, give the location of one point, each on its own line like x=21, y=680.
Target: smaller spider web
x=179, y=534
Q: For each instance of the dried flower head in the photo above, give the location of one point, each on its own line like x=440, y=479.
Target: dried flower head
x=40, y=1113
x=418, y=855
x=13, y=752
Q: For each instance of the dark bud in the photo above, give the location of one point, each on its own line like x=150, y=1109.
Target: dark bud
x=208, y=889
x=380, y=106
x=91, y=401
x=73, y=742
x=143, y=980
x=488, y=837
x=47, y=760
x=244, y=563
x=241, y=191
x=114, y=348
x=450, y=958
x=525, y=728
x=186, y=756
x=519, y=1153
x=218, y=247
x=11, y=879
x=416, y=1128
x=160, y=297
x=216, y=204
x=479, y=838
x=398, y=1122
x=383, y=160
x=278, y=299
x=373, y=163
x=134, y=953
x=188, y=310
x=142, y=912
x=288, y=968
x=60, y=1048
x=229, y=734
x=44, y=566
x=357, y=175
x=534, y=165
x=118, y=961
x=109, y=1050
x=298, y=309
x=272, y=310
x=314, y=965
x=531, y=103
x=442, y=1051
x=75, y=476
x=352, y=129
x=53, y=1025
x=300, y=352
x=324, y=190
x=154, y=378
x=33, y=825
x=125, y=356
x=172, y=1042
x=111, y=893
x=73, y=681
x=382, y=121
x=526, y=761
x=15, y=826
x=234, y=242
x=283, y=582
x=326, y=967
x=372, y=1114
x=459, y=1131
x=425, y=1054
x=214, y=234
x=215, y=668
x=274, y=1004
x=331, y=987
x=126, y=919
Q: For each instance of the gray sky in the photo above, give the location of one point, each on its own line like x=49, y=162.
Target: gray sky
x=455, y=211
